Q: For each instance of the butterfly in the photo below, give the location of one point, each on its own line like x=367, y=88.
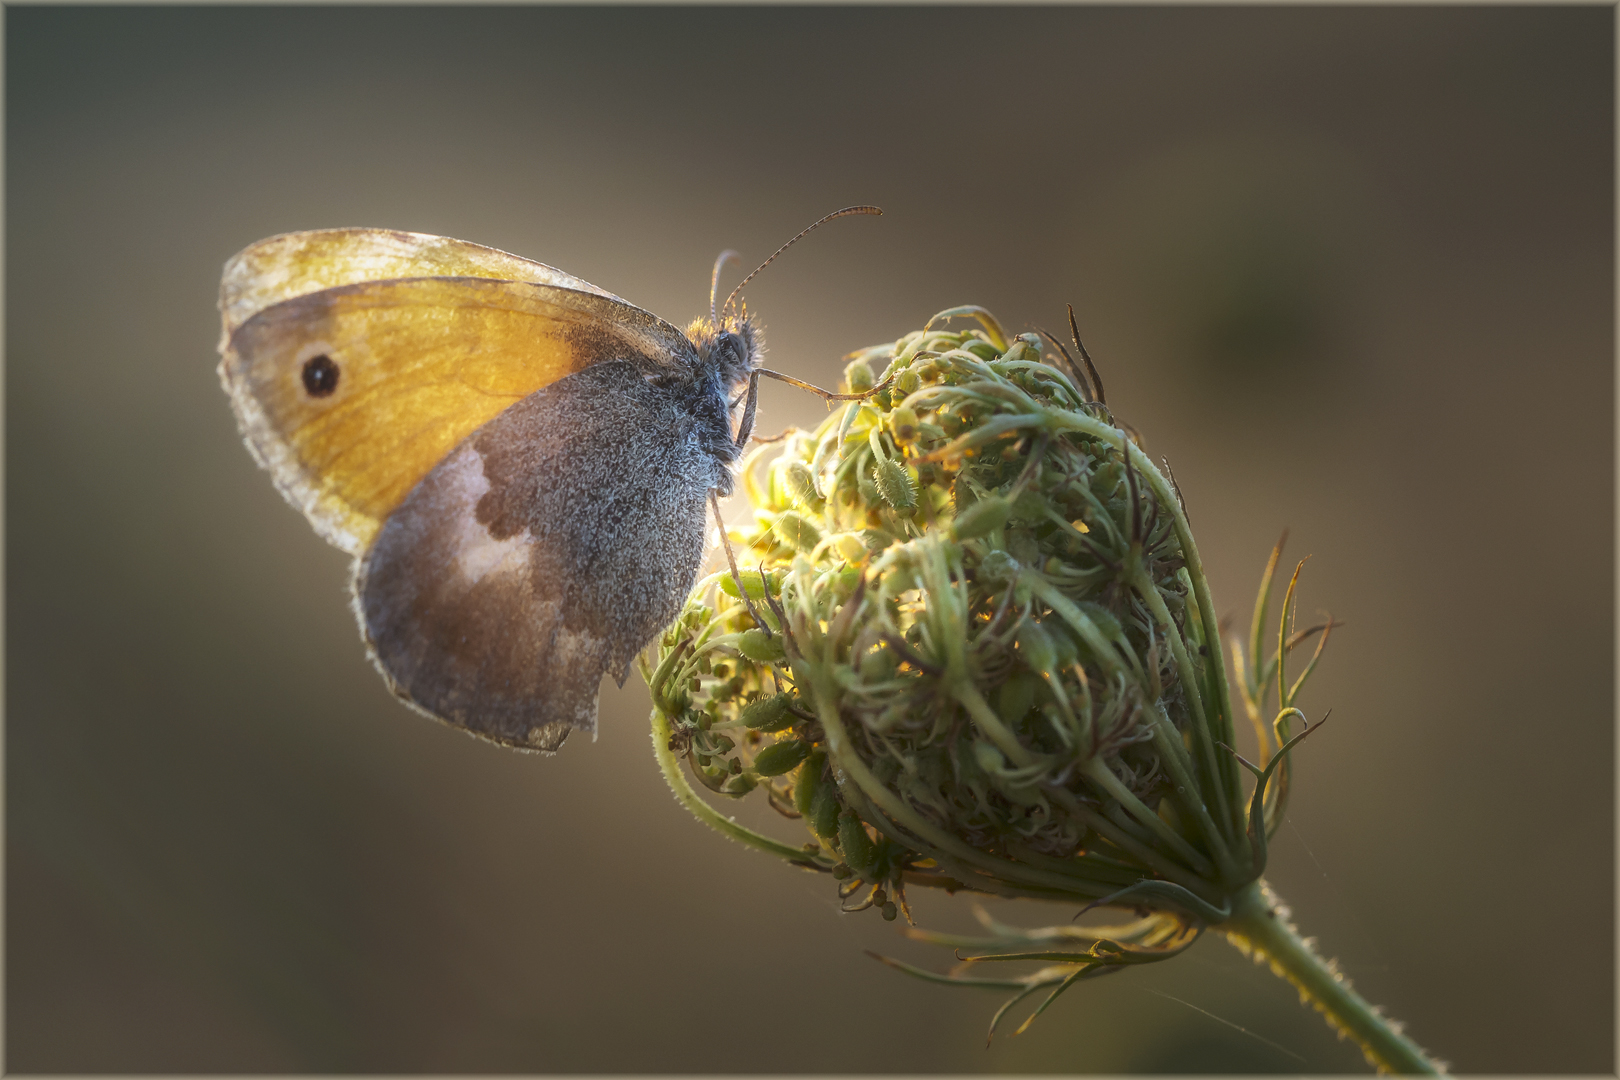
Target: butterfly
x=520, y=463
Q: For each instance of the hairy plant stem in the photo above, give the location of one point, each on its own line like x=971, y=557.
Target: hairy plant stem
x=1259, y=927
x=669, y=764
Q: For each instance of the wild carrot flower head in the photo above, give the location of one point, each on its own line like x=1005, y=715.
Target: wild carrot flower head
x=973, y=648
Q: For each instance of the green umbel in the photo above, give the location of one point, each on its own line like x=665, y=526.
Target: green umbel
x=973, y=648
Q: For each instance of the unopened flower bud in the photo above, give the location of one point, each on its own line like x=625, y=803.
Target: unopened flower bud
x=756, y=644
x=904, y=424
x=895, y=486
x=797, y=531
x=768, y=714
x=782, y=757
x=858, y=377
x=800, y=482
x=981, y=518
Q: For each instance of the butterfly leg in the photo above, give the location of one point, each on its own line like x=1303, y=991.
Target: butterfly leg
x=731, y=560
x=746, y=428
x=825, y=395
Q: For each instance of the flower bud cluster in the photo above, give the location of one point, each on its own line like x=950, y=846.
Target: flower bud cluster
x=969, y=644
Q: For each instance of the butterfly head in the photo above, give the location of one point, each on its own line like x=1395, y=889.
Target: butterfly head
x=729, y=342
x=729, y=348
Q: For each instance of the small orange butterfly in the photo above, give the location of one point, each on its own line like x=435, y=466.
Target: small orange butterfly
x=518, y=460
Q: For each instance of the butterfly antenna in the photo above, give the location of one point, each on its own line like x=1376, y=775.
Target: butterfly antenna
x=714, y=280
x=835, y=214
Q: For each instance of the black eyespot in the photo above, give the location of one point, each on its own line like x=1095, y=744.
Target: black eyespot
x=320, y=375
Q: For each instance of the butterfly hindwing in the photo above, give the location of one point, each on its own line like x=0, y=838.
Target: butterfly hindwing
x=543, y=551
x=350, y=394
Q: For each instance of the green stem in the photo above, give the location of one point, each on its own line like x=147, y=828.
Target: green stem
x=1100, y=774
x=1185, y=671
x=968, y=695
x=842, y=753
x=670, y=765
x=1259, y=927
x=1185, y=794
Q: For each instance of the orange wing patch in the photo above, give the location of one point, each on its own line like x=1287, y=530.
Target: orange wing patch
x=350, y=395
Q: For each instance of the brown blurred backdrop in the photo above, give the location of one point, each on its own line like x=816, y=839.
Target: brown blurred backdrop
x=1351, y=270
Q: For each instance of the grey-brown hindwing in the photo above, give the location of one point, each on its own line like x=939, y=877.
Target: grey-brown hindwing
x=545, y=550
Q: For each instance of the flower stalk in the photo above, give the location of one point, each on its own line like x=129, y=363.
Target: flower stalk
x=1259, y=927
x=968, y=643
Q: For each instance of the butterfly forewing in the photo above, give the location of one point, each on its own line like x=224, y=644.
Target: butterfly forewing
x=300, y=263
x=349, y=395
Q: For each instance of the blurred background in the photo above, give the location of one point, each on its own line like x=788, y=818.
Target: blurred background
x=1350, y=269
